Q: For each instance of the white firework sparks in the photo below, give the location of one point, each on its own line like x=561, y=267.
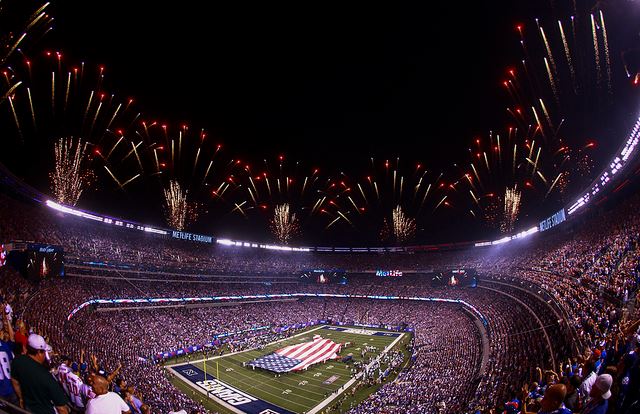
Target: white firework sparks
x=178, y=210
x=284, y=224
x=512, y=198
x=69, y=179
x=404, y=227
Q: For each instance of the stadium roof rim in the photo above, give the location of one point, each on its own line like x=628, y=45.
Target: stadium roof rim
x=624, y=156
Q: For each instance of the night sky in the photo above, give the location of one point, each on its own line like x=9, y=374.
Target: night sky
x=326, y=85
x=341, y=81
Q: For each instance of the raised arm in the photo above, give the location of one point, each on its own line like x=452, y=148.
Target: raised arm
x=94, y=363
x=7, y=323
x=115, y=373
x=524, y=394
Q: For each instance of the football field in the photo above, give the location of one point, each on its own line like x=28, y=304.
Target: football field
x=232, y=387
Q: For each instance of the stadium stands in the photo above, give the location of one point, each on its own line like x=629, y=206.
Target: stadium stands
x=557, y=307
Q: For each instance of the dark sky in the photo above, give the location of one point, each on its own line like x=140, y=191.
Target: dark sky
x=280, y=78
x=330, y=85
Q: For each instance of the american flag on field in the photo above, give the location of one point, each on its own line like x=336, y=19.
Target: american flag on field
x=298, y=357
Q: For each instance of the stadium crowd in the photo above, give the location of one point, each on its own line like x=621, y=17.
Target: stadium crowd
x=561, y=332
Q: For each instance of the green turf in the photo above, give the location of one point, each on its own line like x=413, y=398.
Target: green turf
x=297, y=392
x=359, y=394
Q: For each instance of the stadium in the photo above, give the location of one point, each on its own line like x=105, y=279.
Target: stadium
x=148, y=267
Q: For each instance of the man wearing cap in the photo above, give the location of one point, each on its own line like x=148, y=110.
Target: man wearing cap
x=35, y=387
x=600, y=394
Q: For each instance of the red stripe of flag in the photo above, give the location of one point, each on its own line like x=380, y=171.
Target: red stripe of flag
x=327, y=354
x=282, y=351
x=289, y=352
x=291, y=348
x=303, y=353
x=319, y=355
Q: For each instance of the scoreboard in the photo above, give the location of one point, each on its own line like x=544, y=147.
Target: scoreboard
x=36, y=261
x=455, y=277
x=324, y=277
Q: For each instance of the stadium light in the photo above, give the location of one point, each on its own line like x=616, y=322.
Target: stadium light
x=68, y=210
x=225, y=242
x=615, y=166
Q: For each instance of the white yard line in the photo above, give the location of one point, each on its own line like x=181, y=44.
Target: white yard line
x=213, y=397
x=352, y=380
x=245, y=350
x=314, y=410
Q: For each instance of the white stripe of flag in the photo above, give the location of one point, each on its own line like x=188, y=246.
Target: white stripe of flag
x=329, y=352
x=309, y=353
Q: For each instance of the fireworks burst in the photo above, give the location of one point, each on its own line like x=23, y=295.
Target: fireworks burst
x=271, y=183
x=186, y=155
x=15, y=35
x=605, y=41
x=403, y=226
x=284, y=224
x=51, y=99
x=372, y=198
x=569, y=80
x=179, y=211
x=567, y=54
x=596, y=49
x=178, y=154
x=258, y=187
x=394, y=183
x=512, y=197
x=17, y=31
x=507, y=160
x=558, y=97
x=69, y=178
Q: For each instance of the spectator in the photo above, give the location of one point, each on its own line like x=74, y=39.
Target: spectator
x=599, y=395
x=21, y=338
x=571, y=400
x=588, y=381
x=105, y=402
x=34, y=385
x=552, y=402
x=568, y=288
x=6, y=356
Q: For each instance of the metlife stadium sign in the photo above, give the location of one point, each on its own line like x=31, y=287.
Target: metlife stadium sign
x=192, y=237
x=553, y=221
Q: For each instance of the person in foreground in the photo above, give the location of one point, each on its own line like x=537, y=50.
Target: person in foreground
x=34, y=385
x=106, y=402
x=599, y=395
x=552, y=401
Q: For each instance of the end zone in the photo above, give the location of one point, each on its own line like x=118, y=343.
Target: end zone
x=224, y=394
